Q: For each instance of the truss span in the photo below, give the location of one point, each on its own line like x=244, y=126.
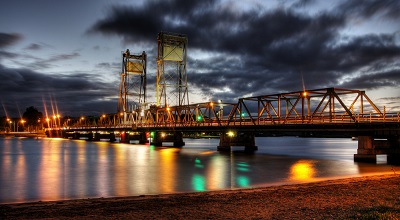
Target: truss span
x=319, y=106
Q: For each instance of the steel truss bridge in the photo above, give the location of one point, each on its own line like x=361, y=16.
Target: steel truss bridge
x=324, y=112
x=320, y=112
x=312, y=107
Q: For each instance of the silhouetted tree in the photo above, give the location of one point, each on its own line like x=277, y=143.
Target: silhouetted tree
x=32, y=116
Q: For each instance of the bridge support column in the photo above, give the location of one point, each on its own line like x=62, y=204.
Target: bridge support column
x=393, y=157
x=65, y=135
x=368, y=148
x=143, y=138
x=229, y=139
x=112, y=137
x=178, y=139
x=365, y=151
x=90, y=136
x=138, y=136
x=96, y=136
x=125, y=138
x=76, y=135
x=161, y=137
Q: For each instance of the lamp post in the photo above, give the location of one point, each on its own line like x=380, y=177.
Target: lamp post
x=48, y=122
x=11, y=123
x=22, y=121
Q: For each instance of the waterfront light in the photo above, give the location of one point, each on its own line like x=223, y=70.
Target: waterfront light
x=303, y=170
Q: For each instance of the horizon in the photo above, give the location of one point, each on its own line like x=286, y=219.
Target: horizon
x=67, y=55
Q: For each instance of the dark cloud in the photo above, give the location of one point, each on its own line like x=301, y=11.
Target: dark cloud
x=370, y=8
x=39, y=63
x=5, y=54
x=34, y=46
x=9, y=39
x=375, y=80
x=266, y=50
x=76, y=93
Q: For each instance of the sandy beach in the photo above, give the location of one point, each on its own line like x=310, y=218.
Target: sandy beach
x=349, y=198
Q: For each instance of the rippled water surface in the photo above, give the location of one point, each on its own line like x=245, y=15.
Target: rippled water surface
x=54, y=169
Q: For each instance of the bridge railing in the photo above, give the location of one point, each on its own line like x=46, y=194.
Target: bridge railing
x=247, y=121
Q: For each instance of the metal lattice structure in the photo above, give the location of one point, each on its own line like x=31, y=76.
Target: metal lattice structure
x=310, y=106
x=132, y=91
x=320, y=106
x=171, y=81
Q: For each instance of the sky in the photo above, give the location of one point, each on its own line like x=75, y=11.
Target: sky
x=68, y=53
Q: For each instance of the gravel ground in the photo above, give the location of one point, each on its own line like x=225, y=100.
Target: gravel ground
x=368, y=197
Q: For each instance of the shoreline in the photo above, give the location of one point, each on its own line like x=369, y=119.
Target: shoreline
x=23, y=134
x=327, y=199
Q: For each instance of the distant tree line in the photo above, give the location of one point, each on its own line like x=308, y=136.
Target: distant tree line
x=32, y=120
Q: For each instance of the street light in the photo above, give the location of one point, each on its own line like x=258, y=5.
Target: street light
x=22, y=121
x=11, y=123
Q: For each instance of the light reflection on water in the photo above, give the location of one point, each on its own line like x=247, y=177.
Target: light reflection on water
x=54, y=169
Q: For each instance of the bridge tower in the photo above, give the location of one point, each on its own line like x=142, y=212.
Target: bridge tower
x=132, y=90
x=171, y=85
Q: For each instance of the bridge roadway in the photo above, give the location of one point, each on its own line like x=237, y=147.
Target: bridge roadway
x=311, y=113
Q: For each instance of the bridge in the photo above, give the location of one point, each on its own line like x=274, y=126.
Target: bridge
x=326, y=112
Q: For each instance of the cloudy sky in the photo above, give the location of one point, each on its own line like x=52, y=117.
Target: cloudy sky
x=69, y=52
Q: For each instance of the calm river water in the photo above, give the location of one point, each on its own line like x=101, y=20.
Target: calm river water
x=56, y=169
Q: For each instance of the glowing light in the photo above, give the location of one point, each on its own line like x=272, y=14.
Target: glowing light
x=242, y=166
x=305, y=94
x=198, y=182
x=197, y=163
x=243, y=181
x=303, y=170
x=230, y=134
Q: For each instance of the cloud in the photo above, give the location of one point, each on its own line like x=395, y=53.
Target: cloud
x=34, y=46
x=267, y=51
x=9, y=39
x=369, y=8
x=78, y=92
x=38, y=63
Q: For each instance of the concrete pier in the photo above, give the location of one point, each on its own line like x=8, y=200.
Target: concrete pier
x=112, y=137
x=124, y=137
x=230, y=138
x=161, y=137
x=369, y=147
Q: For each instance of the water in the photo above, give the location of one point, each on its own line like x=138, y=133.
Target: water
x=56, y=169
